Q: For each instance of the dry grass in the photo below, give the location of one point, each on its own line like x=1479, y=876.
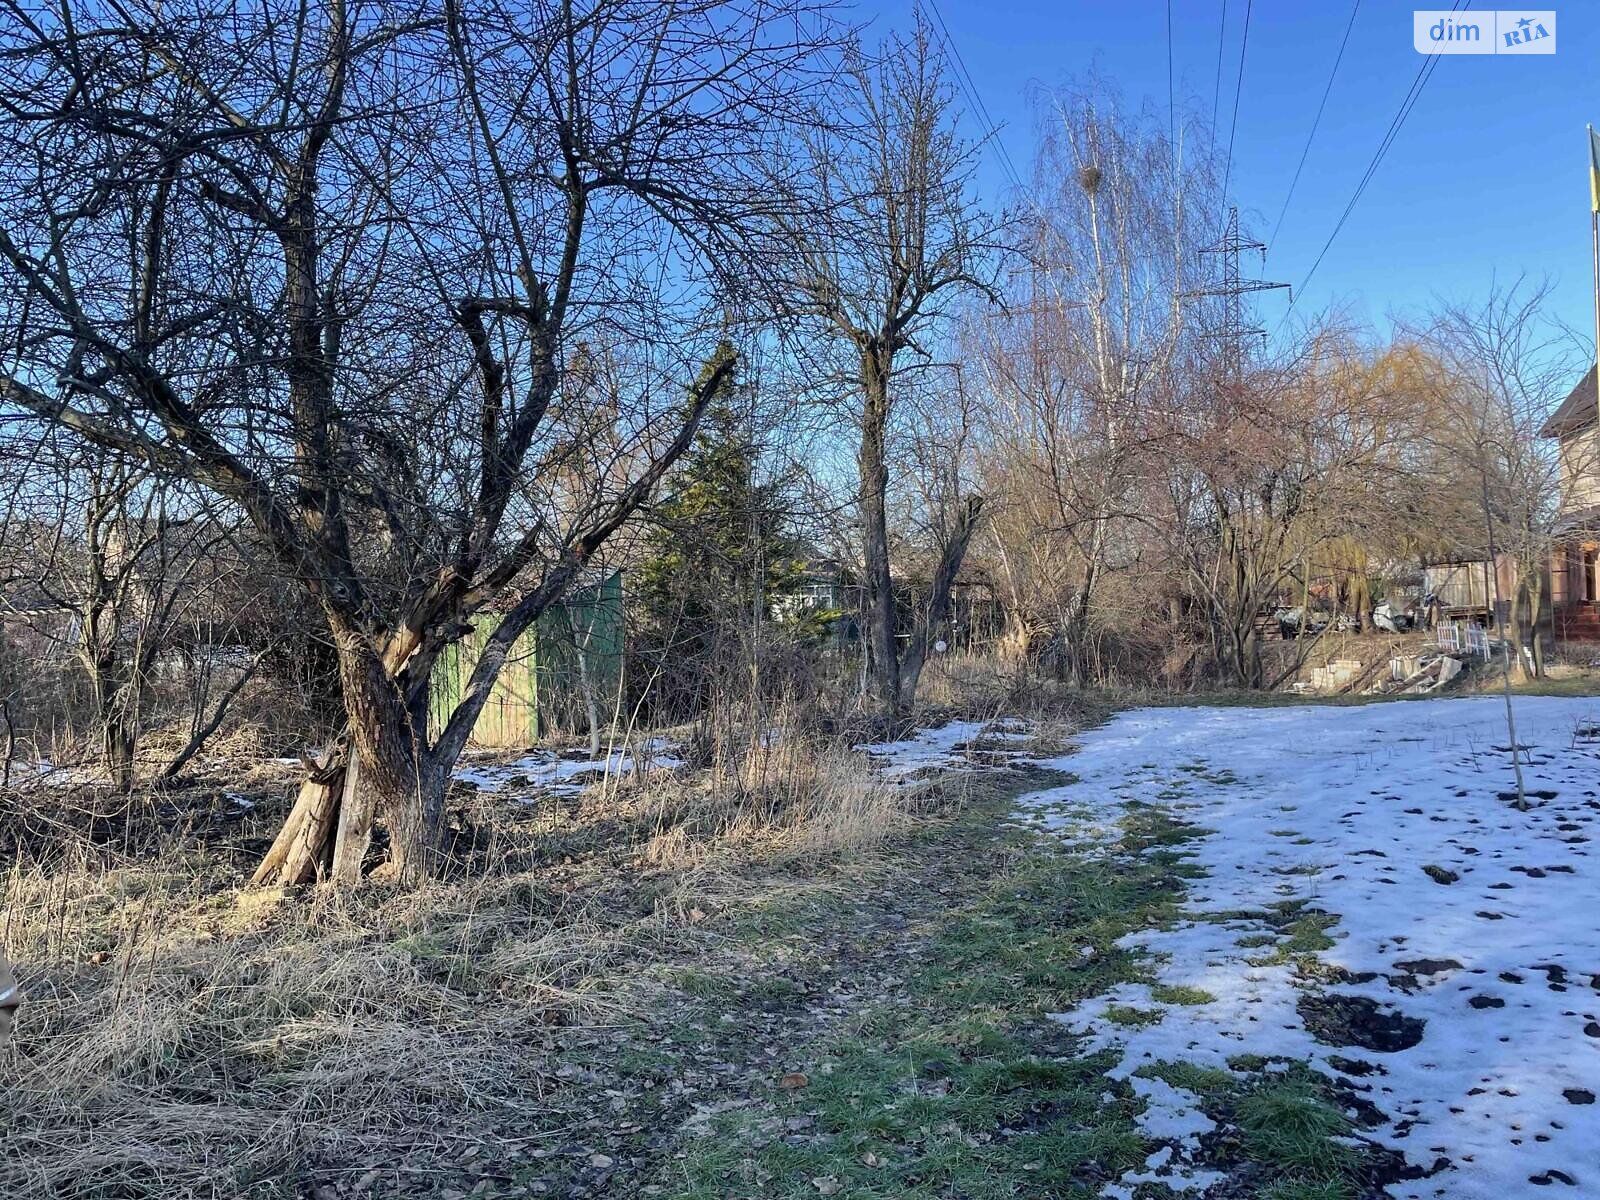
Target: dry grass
x=787, y=802
x=220, y=1043
x=983, y=686
x=183, y=1038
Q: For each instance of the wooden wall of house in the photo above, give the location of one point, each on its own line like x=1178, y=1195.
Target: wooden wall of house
x=1580, y=469
x=1467, y=585
x=1573, y=576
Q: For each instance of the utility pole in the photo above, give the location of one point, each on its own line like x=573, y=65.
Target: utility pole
x=1232, y=289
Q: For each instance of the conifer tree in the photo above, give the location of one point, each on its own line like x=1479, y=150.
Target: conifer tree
x=721, y=551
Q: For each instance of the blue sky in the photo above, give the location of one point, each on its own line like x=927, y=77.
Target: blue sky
x=1488, y=175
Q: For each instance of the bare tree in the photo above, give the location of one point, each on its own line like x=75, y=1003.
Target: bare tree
x=1264, y=471
x=1083, y=351
x=941, y=508
x=333, y=264
x=902, y=242
x=1491, y=373
x=120, y=569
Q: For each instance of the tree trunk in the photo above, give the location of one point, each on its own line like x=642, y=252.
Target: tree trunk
x=114, y=704
x=381, y=769
x=396, y=776
x=1515, y=663
x=944, y=579
x=873, y=471
x=1360, y=602
x=300, y=852
x=1077, y=632
x=118, y=738
x=329, y=830
x=1016, y=640
x=1075, y=636
x=1254, y=676
x=1536, y=606
x=354, y=832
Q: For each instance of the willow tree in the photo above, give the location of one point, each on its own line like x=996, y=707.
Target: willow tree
x=1268, y=469
x=333, y=263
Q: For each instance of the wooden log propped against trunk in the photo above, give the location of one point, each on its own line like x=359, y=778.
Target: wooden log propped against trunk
x=303, y=851
x=356, y=811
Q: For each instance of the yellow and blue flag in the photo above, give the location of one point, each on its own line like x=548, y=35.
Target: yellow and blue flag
x=1594, y=170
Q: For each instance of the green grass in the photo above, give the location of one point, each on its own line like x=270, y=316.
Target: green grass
x=919, y=1118
x=1126, y=1014
x=1306, y=1189
x=960, y=1086
x=1180, y=994
x=1299, y=934
x=700, y=983
x=1286, y=1122
x=1282, y=1125
x=1578, y=685
x=1203, y=1081
x=966, y=1088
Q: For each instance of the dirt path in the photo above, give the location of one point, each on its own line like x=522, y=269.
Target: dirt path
x=865, y=1034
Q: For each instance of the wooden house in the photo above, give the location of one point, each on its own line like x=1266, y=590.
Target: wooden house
x=1463, y=586
x=1575, y=558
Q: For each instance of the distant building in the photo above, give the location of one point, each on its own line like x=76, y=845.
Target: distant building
x=1462, y=586
x=827, y=586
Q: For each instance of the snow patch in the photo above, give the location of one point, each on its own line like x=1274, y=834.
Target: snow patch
x=941, y=747
x=1449, y=907
x=546, y=772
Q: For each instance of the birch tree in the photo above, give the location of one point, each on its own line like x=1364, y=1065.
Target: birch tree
x=1084, y=351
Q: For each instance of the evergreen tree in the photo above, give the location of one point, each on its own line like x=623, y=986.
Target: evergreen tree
x=721, y=551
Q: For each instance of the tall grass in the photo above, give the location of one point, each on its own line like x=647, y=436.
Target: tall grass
x=182, y=1042
x=182, y=1037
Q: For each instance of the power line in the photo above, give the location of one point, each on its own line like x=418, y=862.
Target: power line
x=1172, y=132
x=1238, y=87
x=1316, y=121
x=1232, y=290
x=969, y=88
x=1413, y=94
x=1407, y=103
x=1216, y=87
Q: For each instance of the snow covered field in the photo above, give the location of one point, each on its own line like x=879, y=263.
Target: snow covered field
x=1461, y=992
